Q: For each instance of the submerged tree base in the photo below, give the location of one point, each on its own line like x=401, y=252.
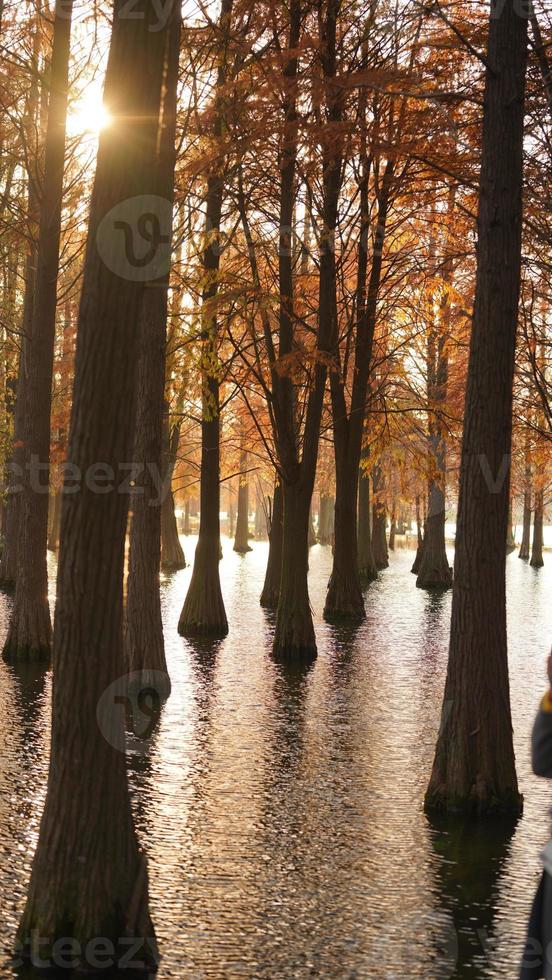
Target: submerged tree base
x=480, y=801
x=435, y=578
x=344, y=602
x=29, y=638
x=156, y=683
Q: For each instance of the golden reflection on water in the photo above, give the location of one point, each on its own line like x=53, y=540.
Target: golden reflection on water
x=281, y=810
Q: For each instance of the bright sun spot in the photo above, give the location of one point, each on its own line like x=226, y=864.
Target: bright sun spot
x=87, y=115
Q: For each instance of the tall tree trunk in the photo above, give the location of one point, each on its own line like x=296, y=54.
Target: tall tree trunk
x=393, y=527
x=295, y=638
x=203, y=613
x=510, y=536
x=474, y=767
x=53, y=533
x=344, y=597
x=366, y=562
x=537, y=561
x=241, y=541
x=187, y=525
x=78, y=889
x=420, y=537
x=379, y=522
x=172, y=553
x=271, y=587
x=30, y=629
x=326, y=519
x=527, y=511
x=16, y=466
x=143, y=639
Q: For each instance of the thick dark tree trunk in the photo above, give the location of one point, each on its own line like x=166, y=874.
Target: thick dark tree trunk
x=172, y=553
x=8, y=563
x=89, y=879
x=344, y=597
x=144, y=643
x=241, y=541
x=326, y=519
x=30, y=629
x=295, y=638
x=537, y=561
x=55, y=522
x=366, y=562
x=271, y=587
x=474, y=767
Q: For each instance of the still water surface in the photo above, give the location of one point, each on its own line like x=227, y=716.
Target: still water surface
x=282, y=813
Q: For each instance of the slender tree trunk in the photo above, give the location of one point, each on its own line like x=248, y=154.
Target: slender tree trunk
x=537, y=561
x=510, y=536
x=379, y=522
x=366, y=562
x=393, y=528
x=203, y=613
x=172, y=553
x=420, y=535
x=53, y=534
x=143, y=640
x=89, y=879
x=271, y=587
x=524, y=550
x=241, y=541
x=312, y=533
x=187, y=525
x=326, y=521
x=30, y=629
x=231, y=514
x=474, y=767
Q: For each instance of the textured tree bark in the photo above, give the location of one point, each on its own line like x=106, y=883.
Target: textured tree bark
x=474, y=766
x=89, y=878
x=203, y=613
x=9, y=561
x=537, y=561
x=143, y=639
x=344, y=597
x=30, y=630
x=295, y=639
x=241, y=541
x=271, y=587
x=366, y=562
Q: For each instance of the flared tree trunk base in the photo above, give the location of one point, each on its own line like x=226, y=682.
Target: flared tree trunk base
x=29, y=638
x=481, y=801
x=418, y=559
x=242, y=547
x=203, y=613
x=344, y=602
x=434, y=574
x=523, y=553
x=102, y=940
x=270, y=594
x=537, y=561
x=154, y=682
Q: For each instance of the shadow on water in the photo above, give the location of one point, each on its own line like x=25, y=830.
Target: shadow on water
x=471, y=861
